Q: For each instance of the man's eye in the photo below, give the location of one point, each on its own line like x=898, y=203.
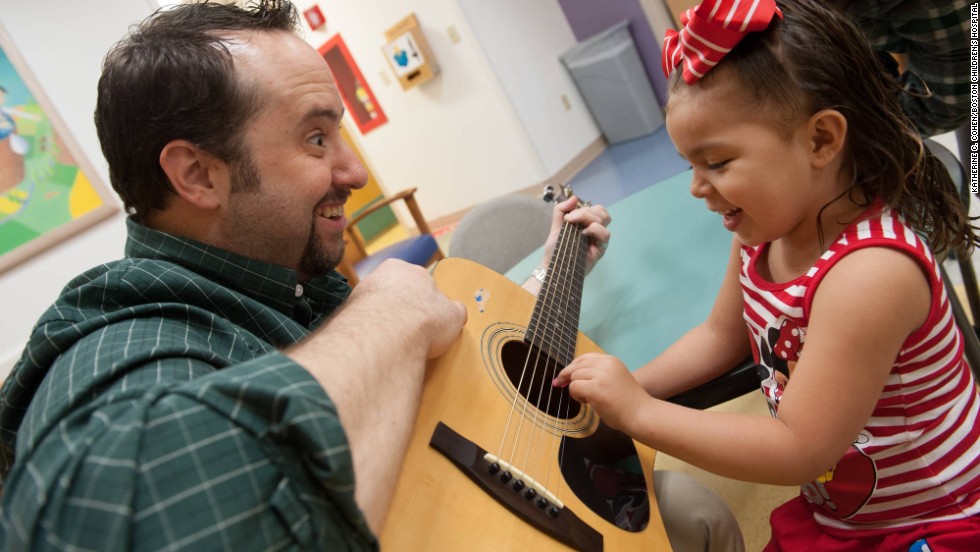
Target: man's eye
x=318, y=140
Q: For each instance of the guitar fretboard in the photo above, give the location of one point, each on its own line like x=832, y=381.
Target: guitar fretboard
x=554, y=323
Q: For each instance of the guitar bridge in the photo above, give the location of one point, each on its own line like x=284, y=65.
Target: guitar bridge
x=528, y=501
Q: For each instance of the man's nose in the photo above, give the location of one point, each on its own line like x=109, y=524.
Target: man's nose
x=349, y=171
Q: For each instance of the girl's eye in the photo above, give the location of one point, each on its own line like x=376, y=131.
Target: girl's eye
x=716, y=166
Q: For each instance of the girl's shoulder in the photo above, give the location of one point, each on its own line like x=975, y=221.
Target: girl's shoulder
x=880, y=226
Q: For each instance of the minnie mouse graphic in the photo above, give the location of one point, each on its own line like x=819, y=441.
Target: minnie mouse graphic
x=846, y=487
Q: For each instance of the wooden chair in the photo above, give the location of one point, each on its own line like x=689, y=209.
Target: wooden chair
x=420, y=249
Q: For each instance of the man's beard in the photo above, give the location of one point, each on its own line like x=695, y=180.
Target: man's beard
x=316, y=260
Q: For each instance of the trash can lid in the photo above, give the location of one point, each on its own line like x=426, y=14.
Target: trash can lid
x=604, y=44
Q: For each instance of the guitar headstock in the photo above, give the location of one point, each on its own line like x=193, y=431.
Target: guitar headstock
x=565, y=191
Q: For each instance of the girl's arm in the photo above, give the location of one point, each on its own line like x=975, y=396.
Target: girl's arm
x=706, y=351
x=862, y=313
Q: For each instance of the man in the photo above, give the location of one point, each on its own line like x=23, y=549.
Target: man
x=209, y=391
x=931, y=39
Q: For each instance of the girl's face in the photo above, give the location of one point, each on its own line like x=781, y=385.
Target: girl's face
x=753, y=172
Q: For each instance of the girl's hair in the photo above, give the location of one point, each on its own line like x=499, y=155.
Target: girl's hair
x=815, y=58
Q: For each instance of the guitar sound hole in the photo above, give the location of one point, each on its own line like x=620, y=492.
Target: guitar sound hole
x=531, y=371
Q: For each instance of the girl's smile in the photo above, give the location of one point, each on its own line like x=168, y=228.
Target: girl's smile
x=763, y=173
x=731, y=219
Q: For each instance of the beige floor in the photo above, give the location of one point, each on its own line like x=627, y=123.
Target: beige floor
x=750, y=502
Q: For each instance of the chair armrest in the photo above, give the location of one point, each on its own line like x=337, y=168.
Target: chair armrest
x=351, y=230
x=740, y=380
x=407, y=194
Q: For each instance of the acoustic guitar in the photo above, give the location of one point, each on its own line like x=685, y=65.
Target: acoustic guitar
x=499, y=458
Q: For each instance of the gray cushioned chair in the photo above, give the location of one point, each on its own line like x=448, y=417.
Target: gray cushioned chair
x=500, y=232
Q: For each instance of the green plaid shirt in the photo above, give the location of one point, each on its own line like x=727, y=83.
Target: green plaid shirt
x=151, y=410
x=935, y=37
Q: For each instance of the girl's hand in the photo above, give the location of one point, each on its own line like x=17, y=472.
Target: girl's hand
x=604, y=382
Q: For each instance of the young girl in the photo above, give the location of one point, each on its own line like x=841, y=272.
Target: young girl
x=798, y=142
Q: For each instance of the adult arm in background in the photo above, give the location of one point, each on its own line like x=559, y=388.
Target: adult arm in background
x=931, y=40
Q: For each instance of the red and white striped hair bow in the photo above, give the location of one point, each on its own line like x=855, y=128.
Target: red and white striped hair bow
x=711, y=29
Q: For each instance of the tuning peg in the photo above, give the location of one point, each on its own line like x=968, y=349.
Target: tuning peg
x=549, y=193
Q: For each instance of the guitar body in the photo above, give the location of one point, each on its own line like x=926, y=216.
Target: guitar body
x=439, y=506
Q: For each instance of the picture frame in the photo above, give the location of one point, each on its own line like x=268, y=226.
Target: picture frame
x=48, y=190
x=354, y=90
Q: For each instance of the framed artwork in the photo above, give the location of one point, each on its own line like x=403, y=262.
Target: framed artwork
x=358, y=98
x=48, y=193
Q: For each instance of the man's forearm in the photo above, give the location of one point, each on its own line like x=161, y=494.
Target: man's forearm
x=373, y=371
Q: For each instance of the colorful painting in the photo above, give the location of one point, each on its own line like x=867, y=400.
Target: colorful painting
x=45, y=196
x=357, y=96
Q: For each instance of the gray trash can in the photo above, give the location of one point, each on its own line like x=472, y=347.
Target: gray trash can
x=607, y=71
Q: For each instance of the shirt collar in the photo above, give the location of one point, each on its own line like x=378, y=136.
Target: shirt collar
x=274, y=285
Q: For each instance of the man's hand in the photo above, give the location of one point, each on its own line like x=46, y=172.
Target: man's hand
x=370, y=358
x=413, y=300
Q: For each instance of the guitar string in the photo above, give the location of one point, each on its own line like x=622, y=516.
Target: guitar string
x=527, y=402
x=569, y=237
x=556, y=309
x=513, y=408
x=517, y=394
x=567, y=338
x=548, y=292
x=558, y=271
x=564, y=393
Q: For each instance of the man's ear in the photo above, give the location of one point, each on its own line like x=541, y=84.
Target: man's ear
x=828, y=131
x=194, y=173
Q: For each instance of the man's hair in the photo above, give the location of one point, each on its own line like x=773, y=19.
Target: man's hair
x=173, y=77
x=815, y=58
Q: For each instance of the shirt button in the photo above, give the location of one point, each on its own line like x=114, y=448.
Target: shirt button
x=299, y=290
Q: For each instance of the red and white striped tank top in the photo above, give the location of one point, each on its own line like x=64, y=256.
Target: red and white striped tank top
x=918, y=456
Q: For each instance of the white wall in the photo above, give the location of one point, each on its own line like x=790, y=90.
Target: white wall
x=523, y=41
x=63, y=43
x=459, y=137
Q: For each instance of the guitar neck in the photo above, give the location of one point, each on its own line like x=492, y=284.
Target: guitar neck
x=553, y=327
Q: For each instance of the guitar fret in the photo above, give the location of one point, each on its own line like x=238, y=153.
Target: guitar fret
x=554, y=322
